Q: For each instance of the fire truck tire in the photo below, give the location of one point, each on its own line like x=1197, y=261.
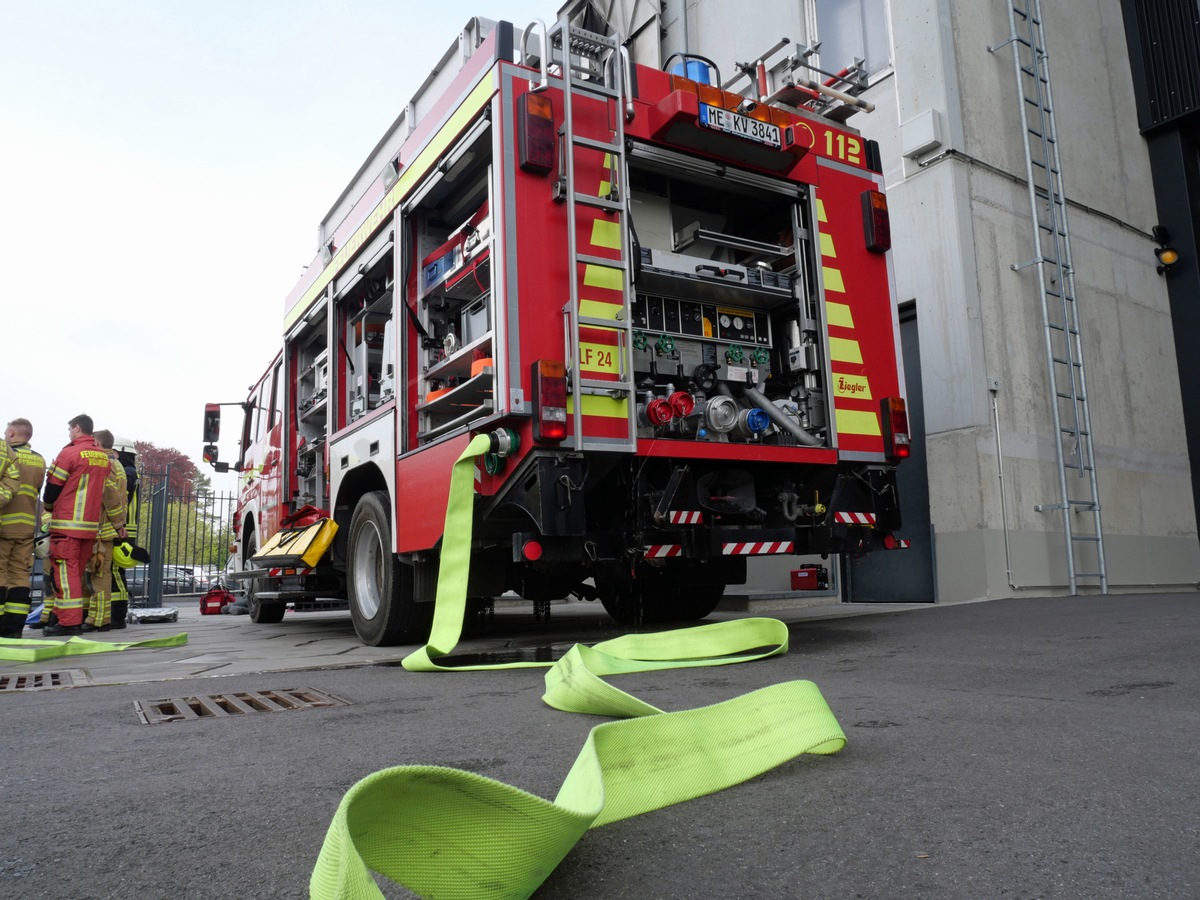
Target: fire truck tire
x=260, y=613
x=694, y=601
x=657, y=595
x=266, y=613
x=382, y=602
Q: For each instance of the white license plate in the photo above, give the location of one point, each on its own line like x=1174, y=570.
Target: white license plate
x=742, y=126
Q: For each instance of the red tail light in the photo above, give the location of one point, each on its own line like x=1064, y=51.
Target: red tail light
x=535, y=134
x=549, y=400
x=877, y=225
x=896, y=442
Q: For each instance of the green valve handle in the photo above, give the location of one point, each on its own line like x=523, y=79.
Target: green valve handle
x=665, y=344
x=735, y=353
x=760, y=356
x=447, y=833
x=640, y=340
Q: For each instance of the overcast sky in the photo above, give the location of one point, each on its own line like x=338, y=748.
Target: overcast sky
x=163, y=168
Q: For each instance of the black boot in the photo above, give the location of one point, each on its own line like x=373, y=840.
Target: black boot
x=55, y=629
x=12, y=625
x=16, y=611
x=120, y=611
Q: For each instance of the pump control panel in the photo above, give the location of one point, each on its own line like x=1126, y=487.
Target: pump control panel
x=689, y=318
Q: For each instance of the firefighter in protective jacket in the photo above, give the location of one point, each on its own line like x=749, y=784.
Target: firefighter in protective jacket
x=24, y=470
x=75, y=497
x=112, y=527
x=123, y=553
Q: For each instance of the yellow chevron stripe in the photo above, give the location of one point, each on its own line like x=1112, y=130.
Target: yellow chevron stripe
x=839, y=314
x=603, y=277
x=833, y=279
x=595, y=309
x=606, y=184
x=857, y=421
x=821, y=211
x=845, y=351
x=598, y=405
x=827, y=245
x=606, y=234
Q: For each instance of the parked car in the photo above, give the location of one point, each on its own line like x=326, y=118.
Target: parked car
x=175, y=580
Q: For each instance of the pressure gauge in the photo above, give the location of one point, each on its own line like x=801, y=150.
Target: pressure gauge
x=724, y=321
x=738, y=323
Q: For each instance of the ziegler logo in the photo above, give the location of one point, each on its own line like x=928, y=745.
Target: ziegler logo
x=850, y=387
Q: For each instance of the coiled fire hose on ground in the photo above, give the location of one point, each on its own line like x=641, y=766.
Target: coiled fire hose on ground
x=447, y=833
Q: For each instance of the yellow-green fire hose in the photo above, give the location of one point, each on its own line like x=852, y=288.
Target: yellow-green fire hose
x=446, y=833
x=31, y=650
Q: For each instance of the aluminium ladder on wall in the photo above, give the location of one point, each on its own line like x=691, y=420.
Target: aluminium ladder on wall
x=593, y=66
x=1079, y=499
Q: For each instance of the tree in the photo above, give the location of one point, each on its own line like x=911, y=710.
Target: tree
x=185, y=477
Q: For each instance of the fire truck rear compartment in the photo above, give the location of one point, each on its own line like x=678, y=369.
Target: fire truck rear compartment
x=725, y=341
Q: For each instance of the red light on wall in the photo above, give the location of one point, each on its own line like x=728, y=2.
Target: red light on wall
x=877, y=225
x=549, y=400
x=896, y=442
x=535, y=134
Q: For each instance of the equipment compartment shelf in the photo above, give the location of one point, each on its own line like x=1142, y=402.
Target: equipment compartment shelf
x=473, y=393
x=446, y=427
x=459, y=363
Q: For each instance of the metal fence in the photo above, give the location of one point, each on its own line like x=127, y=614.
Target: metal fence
x=187, y=533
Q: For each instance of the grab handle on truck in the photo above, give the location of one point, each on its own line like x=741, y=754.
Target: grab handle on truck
x=543, y=60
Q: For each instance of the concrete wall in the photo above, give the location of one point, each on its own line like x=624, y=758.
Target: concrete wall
x=965, y=220
x=960, y=220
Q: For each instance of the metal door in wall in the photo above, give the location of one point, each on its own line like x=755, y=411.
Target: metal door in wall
x=903, y=576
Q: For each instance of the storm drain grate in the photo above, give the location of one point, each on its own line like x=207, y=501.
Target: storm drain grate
x=43, y=681
x=216, y=706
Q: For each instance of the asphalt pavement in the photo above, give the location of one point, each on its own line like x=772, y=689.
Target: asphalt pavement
x=1020, y=748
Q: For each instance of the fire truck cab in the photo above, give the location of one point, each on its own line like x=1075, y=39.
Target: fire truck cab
x=669, y=306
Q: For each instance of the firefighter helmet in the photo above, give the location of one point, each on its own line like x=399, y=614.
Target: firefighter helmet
x=123, y=555
x=41, y=545
x=124, y=445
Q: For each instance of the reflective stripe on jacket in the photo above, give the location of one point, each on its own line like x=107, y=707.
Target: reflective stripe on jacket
x=81, y=468
x=114, y=500
x=18, y=517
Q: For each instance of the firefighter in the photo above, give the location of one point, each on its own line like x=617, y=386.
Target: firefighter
x=74, y=495
x=112, y=526
x=25, y=470
x=123, y=557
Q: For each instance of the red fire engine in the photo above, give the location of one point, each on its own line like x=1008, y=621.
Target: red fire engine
x=669, y=307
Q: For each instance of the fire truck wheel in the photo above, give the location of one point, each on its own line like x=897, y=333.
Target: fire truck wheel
x=260, y=613
x=690, y=602
x=382, y=602
x=657, y=595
